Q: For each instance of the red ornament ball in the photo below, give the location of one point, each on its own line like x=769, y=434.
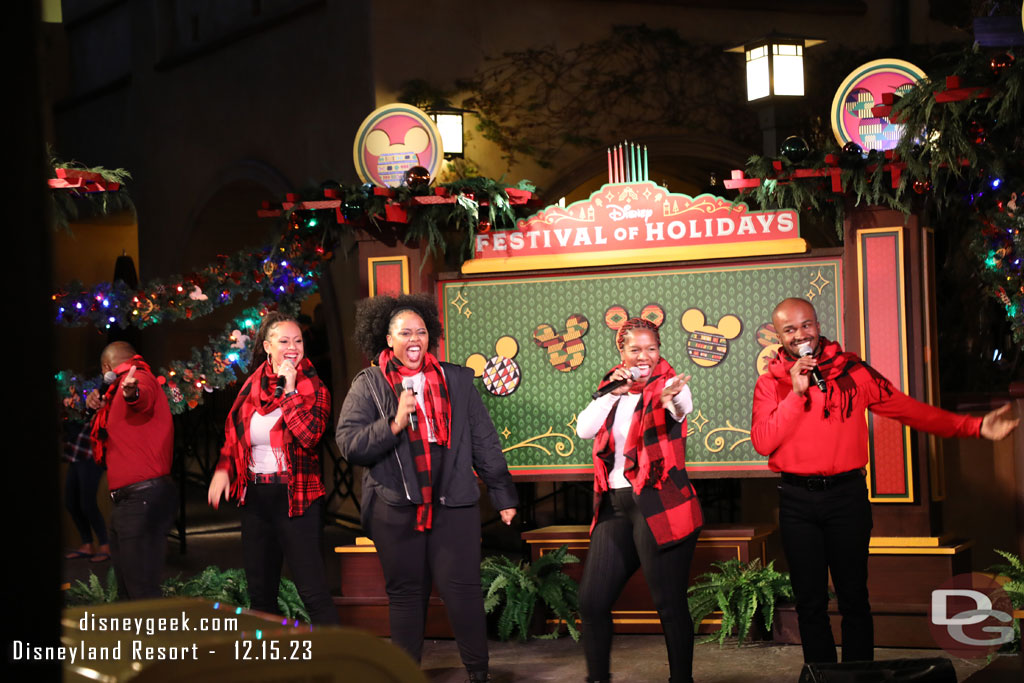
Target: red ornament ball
x=922, y=186
x=483, y=227
x=417, y=176
x=1001, y=63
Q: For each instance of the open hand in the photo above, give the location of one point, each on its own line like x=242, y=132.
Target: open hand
x=997, y=424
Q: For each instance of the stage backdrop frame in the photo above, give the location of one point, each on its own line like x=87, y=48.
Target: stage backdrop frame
x=536, y=416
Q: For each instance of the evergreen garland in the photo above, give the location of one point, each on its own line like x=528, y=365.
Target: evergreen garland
x=961, y=162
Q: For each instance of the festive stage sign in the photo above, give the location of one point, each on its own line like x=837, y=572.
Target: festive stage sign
x=540, y=344
x=637, y=222
x=393, y=139
x=860, y=108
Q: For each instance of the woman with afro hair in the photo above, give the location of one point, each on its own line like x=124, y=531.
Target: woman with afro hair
x=419, y=427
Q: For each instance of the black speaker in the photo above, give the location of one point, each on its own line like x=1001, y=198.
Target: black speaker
x=929, y=670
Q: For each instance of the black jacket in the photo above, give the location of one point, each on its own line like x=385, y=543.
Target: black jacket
x=364, y=437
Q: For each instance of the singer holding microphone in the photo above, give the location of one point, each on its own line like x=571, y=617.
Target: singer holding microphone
x=808, y=418
x=646, y=513
x=420, y=429
x=270, y=465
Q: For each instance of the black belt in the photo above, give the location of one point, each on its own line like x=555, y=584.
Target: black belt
x=270, y=478
x=125, y=492
x=820, y=482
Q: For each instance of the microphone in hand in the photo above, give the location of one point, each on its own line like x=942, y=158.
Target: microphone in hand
x=281, y=381
x=805, y=350
x=408, y=384
x=612, y=386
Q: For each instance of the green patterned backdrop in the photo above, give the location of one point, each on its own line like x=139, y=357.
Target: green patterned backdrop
x=536, y=421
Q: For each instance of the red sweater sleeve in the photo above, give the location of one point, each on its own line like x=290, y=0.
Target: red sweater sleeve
x=773, y=420
x=924, y=417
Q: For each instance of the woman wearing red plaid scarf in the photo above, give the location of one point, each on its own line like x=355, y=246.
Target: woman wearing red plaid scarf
x=646, y=513
x=421, y=430
x=269, y=463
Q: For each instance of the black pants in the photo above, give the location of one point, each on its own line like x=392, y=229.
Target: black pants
x=270, y=536
x=80, y=499
x=448, y=554
x=621, y=543
x=825, y=531
x=139, y=525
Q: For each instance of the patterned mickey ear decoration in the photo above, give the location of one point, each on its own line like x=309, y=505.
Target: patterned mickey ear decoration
x=653, y=313
x=615, y=316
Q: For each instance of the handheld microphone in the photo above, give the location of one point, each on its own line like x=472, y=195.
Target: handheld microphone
x=409, y=384
x=612, y=386
x=279, y=387
x=109, y=377
x=805, y=350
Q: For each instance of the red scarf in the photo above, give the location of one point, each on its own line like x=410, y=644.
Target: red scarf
x=840, y=370
x=257, y=396
x=649, y=442
x=436, y=412
x=99, y=424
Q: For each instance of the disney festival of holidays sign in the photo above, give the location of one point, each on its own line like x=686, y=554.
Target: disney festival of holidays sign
x=638, y=222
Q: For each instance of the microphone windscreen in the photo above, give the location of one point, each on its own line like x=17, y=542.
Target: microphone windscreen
x=109, y=377
x=634, y=373
x=805, y=349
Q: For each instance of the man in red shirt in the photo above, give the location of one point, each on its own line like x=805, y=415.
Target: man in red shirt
x=818, y=441
x=132, y=431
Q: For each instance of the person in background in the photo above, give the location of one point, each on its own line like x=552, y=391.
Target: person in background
x=133, y=435
x=80, y=486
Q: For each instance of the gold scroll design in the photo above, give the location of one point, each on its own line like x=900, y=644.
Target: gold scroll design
x=719, y=440
x=708, y=205
x=563, y=446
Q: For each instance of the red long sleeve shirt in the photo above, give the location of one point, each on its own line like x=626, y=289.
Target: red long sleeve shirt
x=140, y=444
x=797, y=438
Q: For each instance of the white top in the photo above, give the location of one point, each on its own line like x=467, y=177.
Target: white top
x=417, y=386
x=264, y=461
x=590, y=421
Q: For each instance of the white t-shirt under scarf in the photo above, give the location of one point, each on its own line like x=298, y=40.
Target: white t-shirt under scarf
x=264, y=461
x=417, y=386
x=590, y=421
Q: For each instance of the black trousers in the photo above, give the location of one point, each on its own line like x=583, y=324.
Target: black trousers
x=139, y=525
x=448, y=555
x=829, y=531
x=270, y=536
x=621, y=543
x=80, y=499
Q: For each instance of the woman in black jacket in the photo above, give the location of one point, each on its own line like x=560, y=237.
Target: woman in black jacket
x=420, y=428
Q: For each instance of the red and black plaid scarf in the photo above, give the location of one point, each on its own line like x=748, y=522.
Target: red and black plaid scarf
x=437, y=414
x=841, y=371
x=649, y=442
x=257, y=396
x=655, y=452
x=99, y=423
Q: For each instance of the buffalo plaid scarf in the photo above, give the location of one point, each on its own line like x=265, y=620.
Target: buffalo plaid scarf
x=436, y=412
x=99, y=423
x=257, y=396
x=655, y=451
x=842, y=372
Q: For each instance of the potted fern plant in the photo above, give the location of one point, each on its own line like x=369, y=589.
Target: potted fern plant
x=1011, y=580
x=738, y=590
x=516, y=587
